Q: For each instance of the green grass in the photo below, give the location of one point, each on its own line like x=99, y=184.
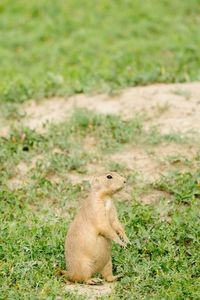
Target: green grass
x=59, y=48
x=52, y=48
x=163, y=260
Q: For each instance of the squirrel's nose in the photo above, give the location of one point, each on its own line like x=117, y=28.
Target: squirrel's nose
x=124, y=181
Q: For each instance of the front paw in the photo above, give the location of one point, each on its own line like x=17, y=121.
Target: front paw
x=126, y=240
x=123, y=245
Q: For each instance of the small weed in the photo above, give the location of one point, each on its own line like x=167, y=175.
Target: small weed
x=183, y=185
x=117, y=167
x=185, y=93
x=162, y=108
x=178, y=158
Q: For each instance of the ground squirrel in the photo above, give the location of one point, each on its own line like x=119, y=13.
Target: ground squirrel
x=88, y=241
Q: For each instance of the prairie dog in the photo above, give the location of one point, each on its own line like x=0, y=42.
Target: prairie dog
x=88, y=241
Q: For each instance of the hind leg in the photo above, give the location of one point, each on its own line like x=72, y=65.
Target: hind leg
x=107, y=272
x=89, y=279
x=83, y=274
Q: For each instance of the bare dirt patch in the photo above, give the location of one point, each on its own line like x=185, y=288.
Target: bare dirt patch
x=93, y=291
x=19, y=179
x=172, y=106
x=4, y=128
x=175, y=149
x=153, y=197
x=21, y=171
x=138, y=160
x=45, y=111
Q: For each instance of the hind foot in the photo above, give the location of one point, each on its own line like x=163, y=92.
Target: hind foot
x=112, y=278
x=94, y=281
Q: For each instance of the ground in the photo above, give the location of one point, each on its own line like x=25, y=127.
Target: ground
x=86, y=88
x=149, y=134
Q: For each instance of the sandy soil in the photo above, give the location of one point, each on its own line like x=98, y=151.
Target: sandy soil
x=91, y=292
x=172, y=106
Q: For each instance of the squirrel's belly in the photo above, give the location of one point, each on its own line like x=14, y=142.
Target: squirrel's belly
x=101, y=254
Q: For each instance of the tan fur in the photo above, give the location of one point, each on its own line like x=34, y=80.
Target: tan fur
x=88, y=241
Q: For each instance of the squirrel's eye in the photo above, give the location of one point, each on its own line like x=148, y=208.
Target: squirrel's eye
x=109, y=177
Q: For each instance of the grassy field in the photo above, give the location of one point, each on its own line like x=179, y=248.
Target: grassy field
x=163, y=261
x=64, y=47
x=50, y=48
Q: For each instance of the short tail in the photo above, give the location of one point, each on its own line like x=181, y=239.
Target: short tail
x=63, y=272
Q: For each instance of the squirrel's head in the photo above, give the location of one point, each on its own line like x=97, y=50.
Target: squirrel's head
x=108, y=183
